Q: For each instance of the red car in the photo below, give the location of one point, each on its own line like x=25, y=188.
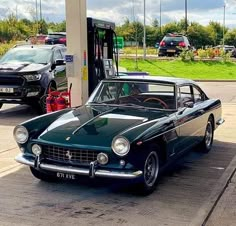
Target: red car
x=56, y=38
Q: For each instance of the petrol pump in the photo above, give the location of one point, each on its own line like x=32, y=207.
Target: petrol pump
x=101, y=38
x=101, y=56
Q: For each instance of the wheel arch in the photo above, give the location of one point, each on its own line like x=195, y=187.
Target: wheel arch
x=53, y=84
x=159, y=144
x=211, y=116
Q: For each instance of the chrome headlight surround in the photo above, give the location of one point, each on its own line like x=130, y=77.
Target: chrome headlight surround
x=36, y=149
x=102, y=158
x=32, y=77
x=120, y=145
x=21, y=134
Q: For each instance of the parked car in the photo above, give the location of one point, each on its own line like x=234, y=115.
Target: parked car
x=56, y=38
x=27, y=72
x=36, y=39
x=130, y=128
x=173, y=44
x=226, y=48
x=233, y=53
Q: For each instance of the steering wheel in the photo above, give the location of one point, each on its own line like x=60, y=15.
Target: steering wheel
x=163, y=104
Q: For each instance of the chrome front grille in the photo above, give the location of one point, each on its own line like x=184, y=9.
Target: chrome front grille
x=69, y=155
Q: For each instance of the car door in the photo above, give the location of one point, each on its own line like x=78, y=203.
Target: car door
x=187, y=119
x=200, y=112
x=60, y=70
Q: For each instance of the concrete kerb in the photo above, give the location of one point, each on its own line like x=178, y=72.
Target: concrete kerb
x=208, y=207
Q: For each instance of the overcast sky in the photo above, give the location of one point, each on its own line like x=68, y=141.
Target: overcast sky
x=201, y=11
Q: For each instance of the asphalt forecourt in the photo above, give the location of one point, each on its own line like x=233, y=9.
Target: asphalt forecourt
x=188, y=194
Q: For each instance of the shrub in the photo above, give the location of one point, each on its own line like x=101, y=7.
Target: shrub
x=225, y=56
x=4, y=47
x=187, y=55
x=202, y=53
x=211, y=53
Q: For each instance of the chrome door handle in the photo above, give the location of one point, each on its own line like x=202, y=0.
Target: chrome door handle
x=201, y=111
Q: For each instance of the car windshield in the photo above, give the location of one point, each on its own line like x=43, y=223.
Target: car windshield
x=135, y=94
x=31, y=55
x=174, y=39
x=56, y=35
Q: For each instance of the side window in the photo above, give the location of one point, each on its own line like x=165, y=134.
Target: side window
x=184, y=95
x=198, y=95
x=57, y=55
x=63, y=52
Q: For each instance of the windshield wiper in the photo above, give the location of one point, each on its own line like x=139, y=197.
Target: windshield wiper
x=133, y=105
x=98, y=103
x=45, y=63
x=145, y=108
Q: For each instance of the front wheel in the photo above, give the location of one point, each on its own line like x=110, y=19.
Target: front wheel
x=42, y=176
x=150, y=173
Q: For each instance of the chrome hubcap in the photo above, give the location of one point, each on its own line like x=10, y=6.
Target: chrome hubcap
x=151, y=169
x=209, y=134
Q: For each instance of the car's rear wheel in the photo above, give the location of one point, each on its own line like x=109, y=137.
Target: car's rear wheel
x=209, y=136
x=150, y=173
x=42, y=176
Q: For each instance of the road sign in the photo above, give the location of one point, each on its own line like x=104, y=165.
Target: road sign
x=119, y=42
x=69, y=58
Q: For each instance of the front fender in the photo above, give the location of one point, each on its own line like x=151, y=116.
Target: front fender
x=38, y=124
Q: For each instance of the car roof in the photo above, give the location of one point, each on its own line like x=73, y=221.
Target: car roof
x=174, y=35
x=154, y=78
x=57, y=33
x=24, y=46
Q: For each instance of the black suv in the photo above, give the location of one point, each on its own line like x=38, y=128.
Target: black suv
x=172, y=44
x=28, y=72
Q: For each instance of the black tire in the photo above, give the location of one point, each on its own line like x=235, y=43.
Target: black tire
x=43, y=176
x=1, y=105
x=206, y=144
x=36, y=106
x=151, y=168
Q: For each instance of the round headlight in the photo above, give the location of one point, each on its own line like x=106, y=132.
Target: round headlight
x=36, y=149
x=102, y=158
x=121, y=146
x=21, y=134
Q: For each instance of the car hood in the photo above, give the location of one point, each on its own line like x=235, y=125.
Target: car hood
x=97, y=126
x=20, y=67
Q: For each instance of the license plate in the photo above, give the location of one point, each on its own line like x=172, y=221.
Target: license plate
x=66, y=176
x=170, y=50
x=6, y=90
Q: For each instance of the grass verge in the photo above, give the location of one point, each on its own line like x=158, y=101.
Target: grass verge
x=209, y=70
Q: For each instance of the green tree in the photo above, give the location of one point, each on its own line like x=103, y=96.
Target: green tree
x=230, y=37
x=155, y=23
x=216, y=32
x=171, y=28
x=198, y=35
x=131, y=31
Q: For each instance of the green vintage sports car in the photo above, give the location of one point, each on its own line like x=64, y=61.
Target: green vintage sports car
x=130, y=128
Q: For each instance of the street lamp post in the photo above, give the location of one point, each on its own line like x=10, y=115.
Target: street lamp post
x=223, y=42
x=160, y=17
x=40, y=16
x=36, y=17
x=186, y=16
x=144, y=29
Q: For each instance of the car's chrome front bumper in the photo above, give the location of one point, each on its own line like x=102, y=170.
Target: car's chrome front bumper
x=92, y=171
x=220, y=122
